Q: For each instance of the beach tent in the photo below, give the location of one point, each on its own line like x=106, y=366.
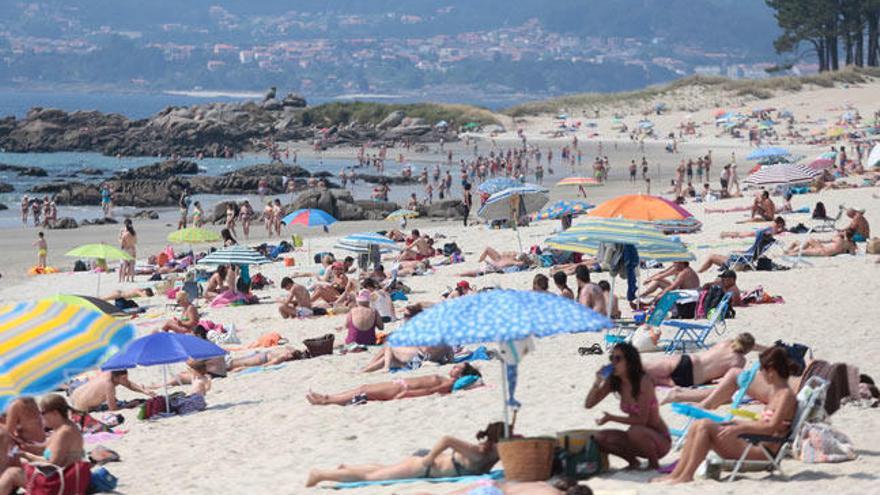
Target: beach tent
x=513, y=204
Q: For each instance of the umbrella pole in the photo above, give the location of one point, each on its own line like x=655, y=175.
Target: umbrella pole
x=504, y=397
x=610, y=298
x=98, y=289
x=165, y=385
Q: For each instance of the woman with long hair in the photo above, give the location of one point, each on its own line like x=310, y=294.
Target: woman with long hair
x=705, y=435
x=449, y=457
x=647, y=435
x=128, y=243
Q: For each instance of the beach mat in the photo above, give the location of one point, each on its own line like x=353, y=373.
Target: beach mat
x=493, y=475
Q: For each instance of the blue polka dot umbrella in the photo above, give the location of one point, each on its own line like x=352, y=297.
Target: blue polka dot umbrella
x=499, y=316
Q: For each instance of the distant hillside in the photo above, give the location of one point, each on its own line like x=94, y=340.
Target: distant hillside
x=696, y=88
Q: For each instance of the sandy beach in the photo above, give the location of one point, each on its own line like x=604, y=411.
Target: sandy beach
x=260, y=435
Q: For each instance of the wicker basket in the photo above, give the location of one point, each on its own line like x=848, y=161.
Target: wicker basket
x=527, y=459
x=319, y=346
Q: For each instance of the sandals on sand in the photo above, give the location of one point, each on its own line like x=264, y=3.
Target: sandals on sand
x=594, y=349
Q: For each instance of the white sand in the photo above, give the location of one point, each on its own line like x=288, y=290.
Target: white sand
x=259, y=435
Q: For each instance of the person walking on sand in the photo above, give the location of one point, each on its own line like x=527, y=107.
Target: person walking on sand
x=467, y=202
x=128, y=243
x=25, y=207
x=245, y=213
x=42, y=249
x=183, y=206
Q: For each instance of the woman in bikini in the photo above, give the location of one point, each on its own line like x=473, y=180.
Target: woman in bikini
x=705, y=435
x=647, y=435
x=198, y=215
x=231, y=214
x=401, y=388
x=189, y=317
x=363, y=321
x=245, y=214
x=265, y=357
x=128, y=243
x=337, y=292
x=64, y=448
x=216, y=284
x=842, y=243
x=449, y=457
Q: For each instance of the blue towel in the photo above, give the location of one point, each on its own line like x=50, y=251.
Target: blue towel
x=478, y=354
x=260, y=369
x=493, y=475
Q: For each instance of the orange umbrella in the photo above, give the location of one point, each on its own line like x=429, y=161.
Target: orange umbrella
x=640, y=207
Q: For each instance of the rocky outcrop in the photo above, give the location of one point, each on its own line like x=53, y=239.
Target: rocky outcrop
x=146, y=215
x=89, y=171
x=270, y=169
x=5, y=188
x=100, y=221
x=448, y=209
x=342, y=205
x=64, y=223
x=214, y=129
x=3, y=207
x=159, y=171
x=23, y=171
x=397, y=180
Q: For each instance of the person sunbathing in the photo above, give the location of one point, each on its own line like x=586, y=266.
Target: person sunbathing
x=217, y=284
x=840, y=244
x=763, y=209
x=99, y=392
x=687, y=370
x=64, y=448
x=493, y=261
x=400, y=357
x=706, y=435
x=683, y=278
x=23, y=424
x=409, y=268
x=460, y=375
x=449, y=457
x=777, y=228
x=129, y=294
x=264, y=357
x=189, y=316
x=647, y=435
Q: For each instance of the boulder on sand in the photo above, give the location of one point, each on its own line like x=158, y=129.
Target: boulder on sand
x=64, y=223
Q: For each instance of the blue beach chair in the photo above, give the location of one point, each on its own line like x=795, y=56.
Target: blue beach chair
x=692, y=333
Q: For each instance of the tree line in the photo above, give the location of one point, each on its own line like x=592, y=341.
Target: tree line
x=838, y=32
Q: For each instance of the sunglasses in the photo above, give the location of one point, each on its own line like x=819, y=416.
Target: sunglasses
x=615, y=358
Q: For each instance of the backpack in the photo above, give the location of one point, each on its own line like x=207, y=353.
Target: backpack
x=80, y=266
x=709, y=300
x=102, y=481
x=450, y=248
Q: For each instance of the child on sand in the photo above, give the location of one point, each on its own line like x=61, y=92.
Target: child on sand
x=42, y=249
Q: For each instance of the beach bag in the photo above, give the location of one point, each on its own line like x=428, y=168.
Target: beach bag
x=152, y=407
x=797, y=353
x=101, y=481
x=820, y=442
x=188, y=404
x=450, y=248
x=709, y=299
x=80, y=266
x=764, y=264
x=296, y=240
x=873, y=245
x=46, y=479
x=580, y=465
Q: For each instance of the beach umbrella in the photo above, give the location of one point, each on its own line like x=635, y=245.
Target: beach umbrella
x=45, y=344
x=402, y=213
x=310, y=217
x=361, y=243
x=768, y=152
x=579, y=181
x=874, y=156
x=497, y=184
x=782, y=174
x=99, y=251
x=88, y=302
x=561, y=208
x=193, y=235
x=591, y=247
x=621, y=231
x=162, y=348
x=234, y=255
x=821, y=164
x=513, y=204
x=500, y=316
x=666, y=214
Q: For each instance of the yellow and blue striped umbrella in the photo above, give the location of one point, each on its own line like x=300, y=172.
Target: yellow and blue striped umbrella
x=650, y=241
x=44, y=344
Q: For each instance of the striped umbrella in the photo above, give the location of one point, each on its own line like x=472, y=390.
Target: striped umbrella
x=402, y=213
x=310, y=217
x=579, y=181
x=591, y=248
x=497, y=184
x=642, y=235
x=821, y=163
x=44, y=344
x=561, y=208
x=782, y=174
x=360, y=243
x=235, y=255
x=193, y=235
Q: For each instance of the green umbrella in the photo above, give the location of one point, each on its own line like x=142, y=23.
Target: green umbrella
x=193, y=235
x=88, y=302
x=99, y=251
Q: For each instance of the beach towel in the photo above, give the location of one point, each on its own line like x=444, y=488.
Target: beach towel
x=260, y=369
x=478, y=354
x=493, y=475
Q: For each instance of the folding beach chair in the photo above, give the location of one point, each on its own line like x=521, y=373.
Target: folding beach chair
x=828, y=224
x=693, y=333
x=763, y=242
x=693, y=413
x=811, y=402
x=624, y=332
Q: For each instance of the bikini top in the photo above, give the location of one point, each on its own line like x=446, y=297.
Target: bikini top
x=633, y=407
